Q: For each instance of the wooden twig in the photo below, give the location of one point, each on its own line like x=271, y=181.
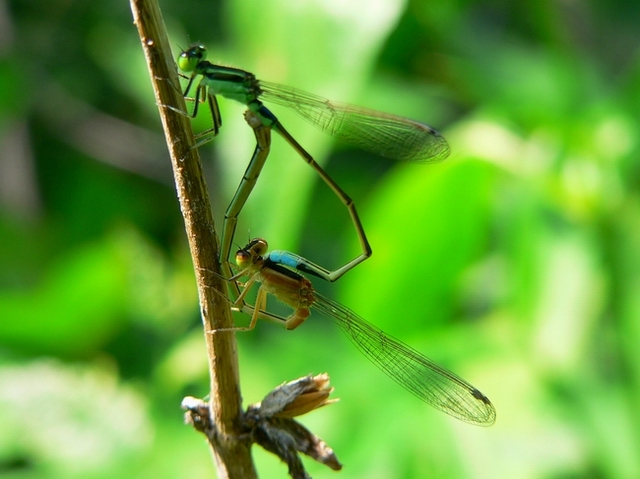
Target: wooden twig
x=231, y=452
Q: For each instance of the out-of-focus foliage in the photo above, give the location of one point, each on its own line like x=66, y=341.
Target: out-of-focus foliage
x=516, y=263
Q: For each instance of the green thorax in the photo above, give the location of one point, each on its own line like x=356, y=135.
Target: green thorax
x=228, y=82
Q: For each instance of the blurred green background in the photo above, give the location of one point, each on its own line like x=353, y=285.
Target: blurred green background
x=515, y=263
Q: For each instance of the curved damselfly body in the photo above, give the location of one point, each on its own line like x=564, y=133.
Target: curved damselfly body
x=384, y=134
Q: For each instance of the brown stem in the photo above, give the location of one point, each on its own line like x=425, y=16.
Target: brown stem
x=232, y=455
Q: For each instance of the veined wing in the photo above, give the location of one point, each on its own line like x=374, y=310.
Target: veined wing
x=433, y=384
x=384, y=134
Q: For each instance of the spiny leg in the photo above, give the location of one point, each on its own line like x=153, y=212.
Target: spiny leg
x=202, y=95
x=207, y=135
x=258, y=311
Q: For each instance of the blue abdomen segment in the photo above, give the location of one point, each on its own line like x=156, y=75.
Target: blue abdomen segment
x=298, y=263
x=285, y=258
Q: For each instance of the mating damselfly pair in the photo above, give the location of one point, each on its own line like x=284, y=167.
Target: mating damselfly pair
x=278, y=272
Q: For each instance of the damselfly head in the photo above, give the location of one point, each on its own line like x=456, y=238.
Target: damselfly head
x=189, y=58
x=252, y=253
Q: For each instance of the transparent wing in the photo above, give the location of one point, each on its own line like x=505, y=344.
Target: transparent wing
x=433, y=384
x=380, y=133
